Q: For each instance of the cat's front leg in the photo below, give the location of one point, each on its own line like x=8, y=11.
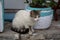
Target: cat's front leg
x=30, y=33
x=32, y=30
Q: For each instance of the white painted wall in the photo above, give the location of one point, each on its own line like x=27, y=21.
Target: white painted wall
x=15, y=4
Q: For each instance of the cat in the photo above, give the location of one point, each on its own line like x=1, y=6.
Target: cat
x=24, y=21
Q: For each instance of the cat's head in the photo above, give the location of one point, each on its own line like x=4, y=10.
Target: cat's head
x=35, y=14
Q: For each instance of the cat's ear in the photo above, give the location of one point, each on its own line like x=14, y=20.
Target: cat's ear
x=31, y=12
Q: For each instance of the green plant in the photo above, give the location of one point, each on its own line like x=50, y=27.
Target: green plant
x=53, y=3
x=37, y=3
x=42, y=3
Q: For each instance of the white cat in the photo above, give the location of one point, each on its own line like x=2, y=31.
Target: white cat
x=25, y=19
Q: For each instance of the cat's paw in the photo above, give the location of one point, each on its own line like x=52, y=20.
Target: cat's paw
x=30, y=33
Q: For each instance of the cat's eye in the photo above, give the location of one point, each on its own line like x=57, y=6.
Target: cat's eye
x=39, y=16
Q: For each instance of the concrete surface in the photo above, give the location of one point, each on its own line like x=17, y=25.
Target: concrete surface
x=52, y=33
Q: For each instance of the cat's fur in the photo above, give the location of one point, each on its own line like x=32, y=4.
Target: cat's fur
x=25, y=20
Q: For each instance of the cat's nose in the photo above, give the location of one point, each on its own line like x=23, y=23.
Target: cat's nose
x=36, y=19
